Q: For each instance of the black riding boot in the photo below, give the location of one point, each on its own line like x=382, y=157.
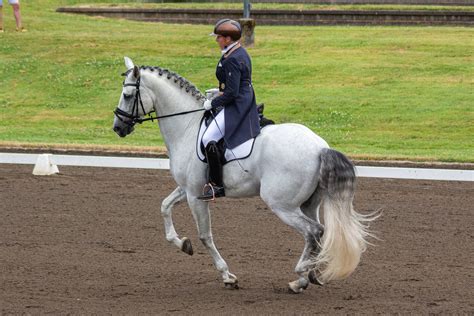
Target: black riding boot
x=215, y=186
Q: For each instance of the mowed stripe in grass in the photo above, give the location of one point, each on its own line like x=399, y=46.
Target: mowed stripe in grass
x=375, y=92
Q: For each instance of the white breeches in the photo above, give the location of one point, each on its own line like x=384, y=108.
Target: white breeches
x=215, y=131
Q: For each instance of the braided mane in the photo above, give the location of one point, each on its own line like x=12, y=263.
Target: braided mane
x=177, y=79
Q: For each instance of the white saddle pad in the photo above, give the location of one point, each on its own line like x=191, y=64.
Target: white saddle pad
x=240, y=152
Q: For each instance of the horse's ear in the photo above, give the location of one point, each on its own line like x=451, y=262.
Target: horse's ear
x=128, y=63
x=136, y=72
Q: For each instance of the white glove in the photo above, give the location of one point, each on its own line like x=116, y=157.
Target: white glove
x=212, y=93
x=207, y=105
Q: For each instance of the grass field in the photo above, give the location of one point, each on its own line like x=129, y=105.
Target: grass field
x=374, y=92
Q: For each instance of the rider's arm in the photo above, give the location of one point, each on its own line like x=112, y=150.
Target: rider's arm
x=232, y=84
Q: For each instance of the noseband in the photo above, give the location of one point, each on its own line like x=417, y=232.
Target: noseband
x=134, y=117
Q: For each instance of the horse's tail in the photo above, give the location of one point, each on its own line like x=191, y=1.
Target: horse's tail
x=345, y=230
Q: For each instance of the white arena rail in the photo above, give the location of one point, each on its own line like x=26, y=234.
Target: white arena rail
x=415, y=173
x=47, y=164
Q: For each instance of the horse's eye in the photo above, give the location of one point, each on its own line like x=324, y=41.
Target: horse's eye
x=127, y=96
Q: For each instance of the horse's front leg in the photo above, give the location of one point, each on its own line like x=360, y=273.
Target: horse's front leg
x=200, y=210
x=166, y=207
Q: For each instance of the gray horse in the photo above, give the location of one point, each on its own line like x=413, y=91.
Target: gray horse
x=291, y=168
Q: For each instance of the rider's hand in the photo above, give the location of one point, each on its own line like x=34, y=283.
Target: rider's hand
x=207, y=105
x=212, y=93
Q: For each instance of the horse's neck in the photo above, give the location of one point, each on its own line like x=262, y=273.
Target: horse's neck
x=179, y=132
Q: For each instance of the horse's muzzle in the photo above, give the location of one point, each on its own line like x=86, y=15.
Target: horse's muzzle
x=123, y=131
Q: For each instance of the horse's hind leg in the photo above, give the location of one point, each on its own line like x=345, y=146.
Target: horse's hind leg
x=311, y=231
x=311, y=206
x=302, y=267
x=166, y=207
x=200, y=210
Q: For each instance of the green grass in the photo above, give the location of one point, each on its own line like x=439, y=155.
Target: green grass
x=377, y=92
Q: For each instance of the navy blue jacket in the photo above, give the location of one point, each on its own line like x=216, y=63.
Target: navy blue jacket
x=234, y=73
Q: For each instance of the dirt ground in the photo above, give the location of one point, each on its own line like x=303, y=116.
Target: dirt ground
x=91, y=240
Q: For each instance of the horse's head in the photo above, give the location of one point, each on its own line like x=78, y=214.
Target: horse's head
x=135, y=101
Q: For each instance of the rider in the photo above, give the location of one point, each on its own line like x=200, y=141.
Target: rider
x=234, y=109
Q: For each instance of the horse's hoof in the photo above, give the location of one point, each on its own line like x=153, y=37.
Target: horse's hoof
x=187, y=247
x=231, y=282
x=231, y=285
x=305, y=286
x=313, y=278
x=294, y=288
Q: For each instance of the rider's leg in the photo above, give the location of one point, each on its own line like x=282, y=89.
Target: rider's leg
x=214, y=132
x=215, y=186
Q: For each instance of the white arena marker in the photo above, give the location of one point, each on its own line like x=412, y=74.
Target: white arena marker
x=44, y=167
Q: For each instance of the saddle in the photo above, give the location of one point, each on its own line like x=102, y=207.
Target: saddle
x=242, y=151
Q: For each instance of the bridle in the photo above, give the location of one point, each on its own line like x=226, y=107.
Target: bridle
x=134, y=117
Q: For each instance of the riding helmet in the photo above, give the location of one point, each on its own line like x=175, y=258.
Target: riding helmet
x=228, y=27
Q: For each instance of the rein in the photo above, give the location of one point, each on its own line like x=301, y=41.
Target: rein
x=134, y=117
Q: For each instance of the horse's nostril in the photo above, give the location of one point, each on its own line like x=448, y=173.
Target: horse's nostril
x=119, y=131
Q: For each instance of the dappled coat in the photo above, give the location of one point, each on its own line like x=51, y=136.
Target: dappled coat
x=234, y=73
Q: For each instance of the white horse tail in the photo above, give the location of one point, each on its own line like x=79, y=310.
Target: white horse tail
x=345, y=230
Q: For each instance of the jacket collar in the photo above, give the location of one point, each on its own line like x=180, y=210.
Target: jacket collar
x=230, y=49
